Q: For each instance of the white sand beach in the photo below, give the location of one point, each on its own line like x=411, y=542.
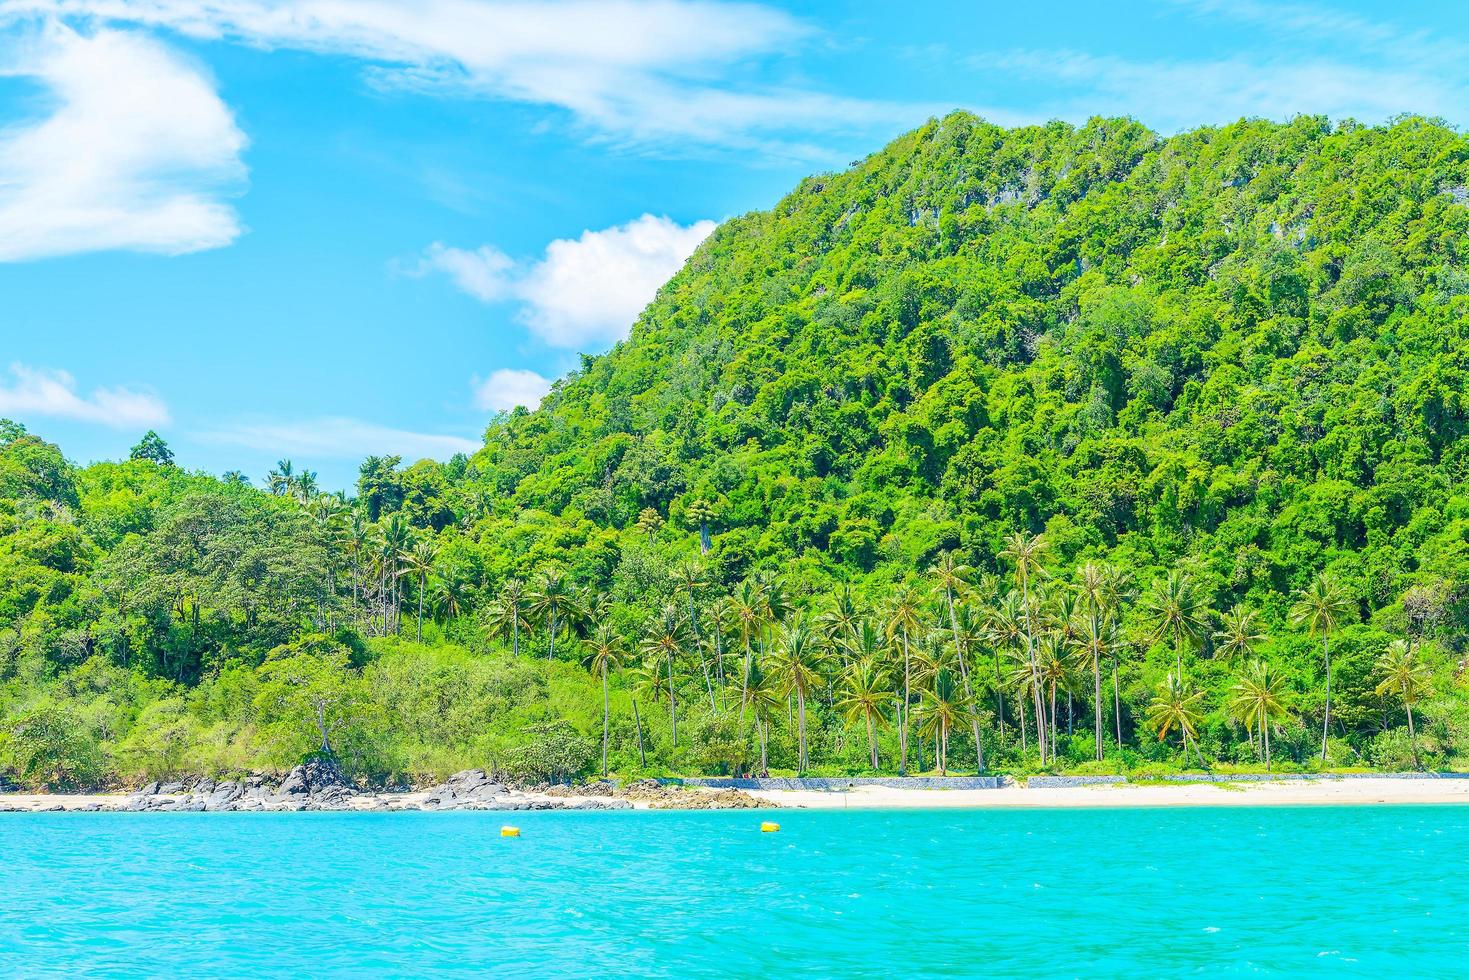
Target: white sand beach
x=1283, y=793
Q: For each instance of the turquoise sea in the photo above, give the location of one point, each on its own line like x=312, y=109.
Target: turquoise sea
x=1331, y=891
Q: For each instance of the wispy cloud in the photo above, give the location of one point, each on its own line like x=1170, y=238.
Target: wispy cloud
x=582, y=291
x=336, y=437
x=37, y=392
x=641, y=72
x=135, y=153
x=509, y=388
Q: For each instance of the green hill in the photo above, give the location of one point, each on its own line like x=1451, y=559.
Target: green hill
x=1235, y=355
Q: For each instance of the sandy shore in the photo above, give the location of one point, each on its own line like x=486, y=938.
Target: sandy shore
x=1285, y=793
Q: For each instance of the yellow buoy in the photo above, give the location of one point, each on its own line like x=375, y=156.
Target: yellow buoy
x=509, y=831
x=769, y=827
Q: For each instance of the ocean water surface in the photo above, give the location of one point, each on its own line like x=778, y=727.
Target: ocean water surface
x=1331, y=891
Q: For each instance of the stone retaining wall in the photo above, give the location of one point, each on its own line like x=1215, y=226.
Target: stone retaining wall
x=838, y=784
x=1061, y=782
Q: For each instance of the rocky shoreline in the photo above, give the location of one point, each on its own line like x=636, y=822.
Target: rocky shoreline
x=320, y=786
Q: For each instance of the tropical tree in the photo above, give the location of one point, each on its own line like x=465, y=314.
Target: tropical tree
x=1407, y=678
x=1025, y=551
x=553, y=603
x=903, y=623
x=865, y=692
x=1175, y=705
x=700, y=513
x=1257, y=698
x=507, y=614
x=940, y=708
x=1095, y=640
x=758, y=696
x=649, y=521
x=952, y=577
x=665, y=641
x=796, y=664
x=395, y=540
x=1239, y=632
x=1179, y=612
x=1319, y=608
x=419, y=562
x=604, y=655
x=689, y=578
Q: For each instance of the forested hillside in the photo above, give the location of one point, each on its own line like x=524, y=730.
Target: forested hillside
x=1125, y=435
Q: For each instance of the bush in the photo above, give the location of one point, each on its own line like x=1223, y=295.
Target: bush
x=49, y=748
x=554, y=753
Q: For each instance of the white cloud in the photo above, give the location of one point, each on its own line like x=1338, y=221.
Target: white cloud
x=53, y=394
x=582, y=291
x=507, y=388
x=133, y=155
x=640, y=71
x=336, y=437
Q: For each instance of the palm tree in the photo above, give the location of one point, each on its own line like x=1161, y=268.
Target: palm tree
x=281, y=481
x=554, y=604
x=419, y=562
x=1176, y=706
x=1257, y=699
x=902, y=622
x=1407, y=677
x=1319, y=608
x=748, y=606
x=1005, y=629
x=1239, y=632
x=952, y=576
x=1024, y=551
x=1054, y=673
x=451, y=594
x=865, y=691
x=1178, y=611
x=721, y=615
x=758, y=695
x=645, y=679
x=357, y=542
x=665, y=640
x=397, y=538
x=796, y=663
x=940, y=708
x=604, y=655
x=842, y=621
x=508, y=612
x=689, y=578
x=1096, y=639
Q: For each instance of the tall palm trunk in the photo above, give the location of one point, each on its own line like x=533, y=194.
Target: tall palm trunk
x=1040, y=711
x=1116, y=703
x=1412, y=736
x=551, y=653
x=1326, y=719
x=606, y=720
x=421, y=584
x=1265, y=736
x=802, y=758
x=638, y=722
x=872, y=740
x=515, y=632
x=964, y=676
x=1097, y=702
x=903, y=714
x=672, y=701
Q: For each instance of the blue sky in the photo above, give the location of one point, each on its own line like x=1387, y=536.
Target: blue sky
x=315, y=229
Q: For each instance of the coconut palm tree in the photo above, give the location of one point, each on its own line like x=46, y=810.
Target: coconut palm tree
x=604, y=655
x=1005, y=630
x=1257, y=698
x=1097, y=638
x=1176, y=706
x=419, y=562
x=1408, y=679
x=665, y=641
x=689, y=578
x=1239, y=632
x=796, y=663
x=865, y=692
x=941, y=706
x=553, y=602
x=1319, y=608
x=646, y=680
x=903, y=623
x=1179, y=612
x=451, y=593
x=759, y=697
x=507, y=614
x=748, y=604
x=396, y=539
x=1054, y=673
x=1025, y=551
x=952, y=577
x=841, y=622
